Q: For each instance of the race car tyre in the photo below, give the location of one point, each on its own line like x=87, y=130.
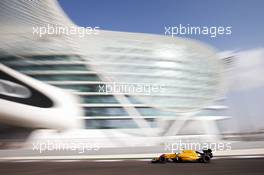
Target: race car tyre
x=174, y=160
x=162, y=159
x=206, y=159
x=154, y=161
x=179, y=160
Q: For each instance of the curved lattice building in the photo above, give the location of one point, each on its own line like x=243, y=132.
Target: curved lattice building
x=63, y=81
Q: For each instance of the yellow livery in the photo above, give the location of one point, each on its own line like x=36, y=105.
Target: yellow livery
x=185, y=156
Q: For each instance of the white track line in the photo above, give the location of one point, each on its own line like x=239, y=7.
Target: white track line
x=240, y=157
x=246, y=153
x=65, y=160
x=114, y=160
x=109, y=160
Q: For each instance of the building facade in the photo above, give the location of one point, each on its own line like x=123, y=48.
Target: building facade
x=63, y=82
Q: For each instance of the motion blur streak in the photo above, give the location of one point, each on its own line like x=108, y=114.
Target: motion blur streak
x=253, y=166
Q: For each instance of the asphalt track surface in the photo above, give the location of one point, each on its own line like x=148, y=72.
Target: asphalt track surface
x=252, y=166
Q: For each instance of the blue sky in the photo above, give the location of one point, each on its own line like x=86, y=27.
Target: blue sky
x=150, y=16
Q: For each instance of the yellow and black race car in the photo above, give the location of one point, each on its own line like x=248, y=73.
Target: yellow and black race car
x=185, y=156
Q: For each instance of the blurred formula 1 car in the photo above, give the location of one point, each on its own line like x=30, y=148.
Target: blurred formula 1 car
x=185, y=156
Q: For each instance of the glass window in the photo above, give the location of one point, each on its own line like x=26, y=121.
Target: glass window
x=104, y=99
x=42, y=58
x=49, y=67
x=99, y=111
x=212, y=112
x=82, y=88
x=110, y=124
x=108, y=99
x=154, y=112
x=118, y=111
x=114, y=123
x=9, y=58
x=64, y=77
x=56, y=58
